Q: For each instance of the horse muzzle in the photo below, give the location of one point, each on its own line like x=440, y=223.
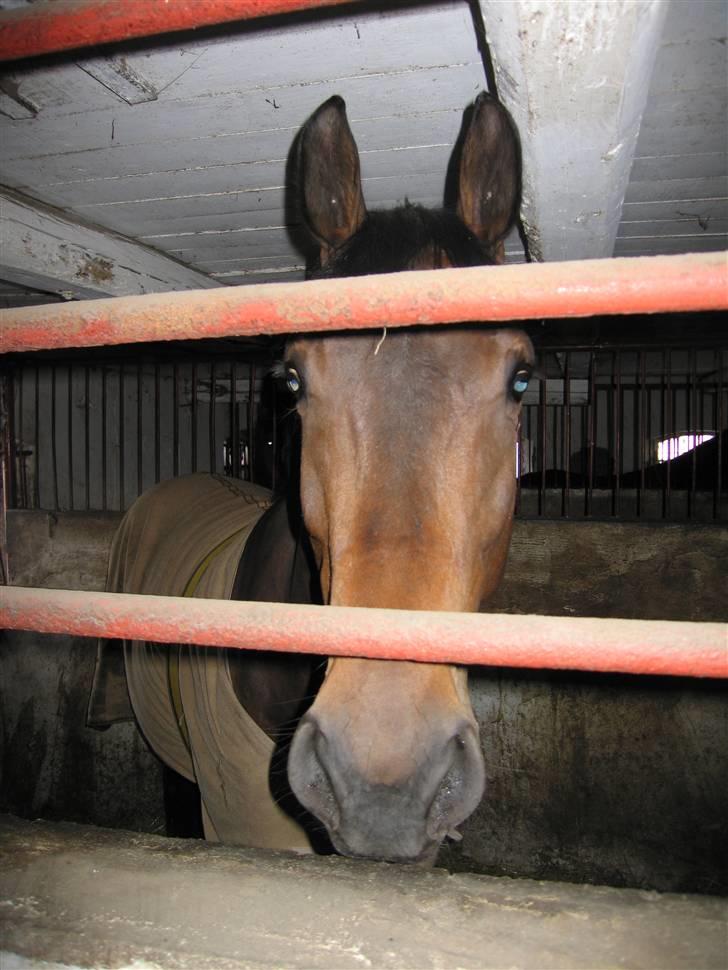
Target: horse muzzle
x=398, y=821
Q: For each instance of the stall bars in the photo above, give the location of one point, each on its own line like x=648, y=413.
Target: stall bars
x=645, y=285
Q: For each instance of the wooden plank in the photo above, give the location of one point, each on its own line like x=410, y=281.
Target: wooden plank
x=684, y=139
x=659, y=167
x=654, y=190
x=368, y=96
x=197, y=152
x=705, y=209
x=43, y=248
x=123, y=80
x=671, y=245
x=688, y=225
x=237, y=176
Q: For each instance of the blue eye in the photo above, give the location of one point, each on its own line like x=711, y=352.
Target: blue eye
x=520, y=382
x=293, y=381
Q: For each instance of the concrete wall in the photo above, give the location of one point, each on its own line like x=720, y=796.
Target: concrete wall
x=606, y=779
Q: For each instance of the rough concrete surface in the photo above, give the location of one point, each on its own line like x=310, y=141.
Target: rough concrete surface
x=94, y=897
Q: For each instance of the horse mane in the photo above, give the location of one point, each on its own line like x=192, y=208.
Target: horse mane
x=390, y=241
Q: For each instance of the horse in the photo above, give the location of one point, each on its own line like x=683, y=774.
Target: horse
x=406, y=491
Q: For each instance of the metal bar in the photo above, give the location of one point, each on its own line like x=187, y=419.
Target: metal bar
x=36, y=442
x=251, y=421
x=617, y=430
x=211, y=417
x=590, y=433
x=49, y=27
x=542, y=450
x=54, y=453
x=574, y=643
x=234, y=423
x=6, y=432
x=122, y=429
x=157, y=425
x=719, y=430
x=140, y=431
x=19, y=480
x=193, y=419
x=580, y=288
x=87, y=434
x=274, y=443
x=693, y=429
x=104, y=438
x=566, y=436
x=640, y=432
x=175, y=419
x=69, y=417
x=669, y=433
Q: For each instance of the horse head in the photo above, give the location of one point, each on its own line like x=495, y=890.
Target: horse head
x=407, y=489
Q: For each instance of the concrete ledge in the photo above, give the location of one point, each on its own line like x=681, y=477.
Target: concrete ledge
x=95, y=897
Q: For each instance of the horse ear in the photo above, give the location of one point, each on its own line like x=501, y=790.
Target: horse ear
x=330, y=182
x=489, y=185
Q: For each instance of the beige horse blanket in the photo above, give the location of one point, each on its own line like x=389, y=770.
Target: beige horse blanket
x=185, y=537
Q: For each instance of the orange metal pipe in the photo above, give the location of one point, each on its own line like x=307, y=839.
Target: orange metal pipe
x=629, y=646
x=491, y=294
x=50, y=26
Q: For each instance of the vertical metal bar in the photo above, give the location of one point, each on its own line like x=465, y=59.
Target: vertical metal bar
x=211, y=416
x=122, y=456
x=104, y=438
x=617, y=431
x=69, y=417
x=234, y=422
x=87, y=433
x=54, y=457
x=157, y=425
x=36, y=440
x=693, y=429
x=591, y=418
x=542, y=430
x=5, y=473
x=641, y=433
x=140, y=430
x=663, y=419
x=21, y=476
x=194, y=417
x=274, y=440
x=251, y=422
x=175, y=419
x=519, y=446
x=669, y=432
x=719, y=430
x=566, y=436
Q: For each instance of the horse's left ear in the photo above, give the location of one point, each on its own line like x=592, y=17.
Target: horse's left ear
x=489, y=185
x=329, y=178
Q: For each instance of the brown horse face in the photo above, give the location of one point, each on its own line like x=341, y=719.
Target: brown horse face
x=407, y=490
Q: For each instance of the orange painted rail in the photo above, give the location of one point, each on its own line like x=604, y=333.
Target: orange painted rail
x=492, y=294
x=628, y=646
x=50, y=26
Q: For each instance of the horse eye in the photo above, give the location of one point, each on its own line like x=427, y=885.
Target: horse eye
x=520, y=382
x=293, y=381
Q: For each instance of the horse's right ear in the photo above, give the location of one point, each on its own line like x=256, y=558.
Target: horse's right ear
x=489, y=185
x=329, y=180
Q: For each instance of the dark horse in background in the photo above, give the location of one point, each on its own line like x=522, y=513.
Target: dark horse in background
x=407, y=486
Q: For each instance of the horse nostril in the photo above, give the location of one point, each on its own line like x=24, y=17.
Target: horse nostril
x=461, y=786
x=307, y=774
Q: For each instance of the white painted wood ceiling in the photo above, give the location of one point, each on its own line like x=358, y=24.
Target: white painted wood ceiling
x=181, y=145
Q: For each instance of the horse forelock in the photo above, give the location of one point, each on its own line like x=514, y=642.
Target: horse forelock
x=408, y=237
